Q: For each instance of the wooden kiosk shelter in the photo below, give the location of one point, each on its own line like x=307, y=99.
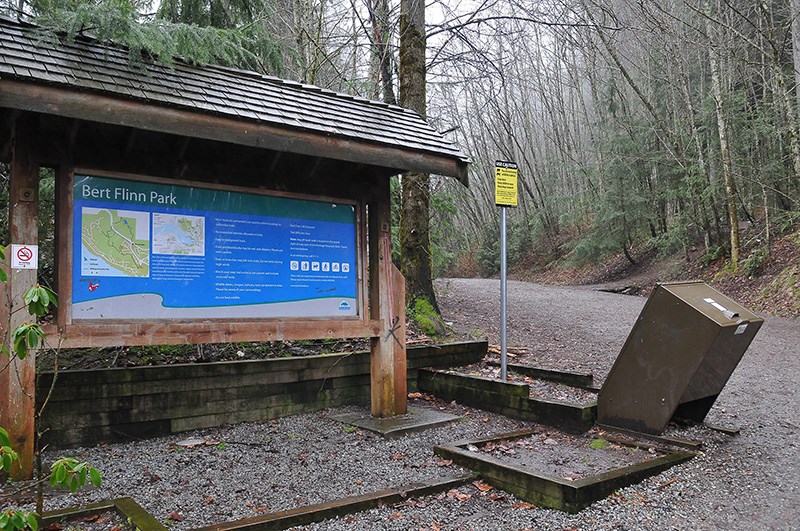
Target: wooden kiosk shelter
x=250, y=166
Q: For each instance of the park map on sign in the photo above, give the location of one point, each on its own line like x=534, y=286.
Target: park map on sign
x=117, y=241
x=178, y=234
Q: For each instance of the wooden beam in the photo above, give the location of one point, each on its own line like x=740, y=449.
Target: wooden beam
x=65, y=178
x=275, y=158
x=7, y=119
x=99, y=334
x=180, y=158
x=132, y=113
x=129, y=143
x=399, y=337
x=314, y=167
x=388, y=384
x=17, y=381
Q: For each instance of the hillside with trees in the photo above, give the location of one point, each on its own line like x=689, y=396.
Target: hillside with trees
x=643, y=130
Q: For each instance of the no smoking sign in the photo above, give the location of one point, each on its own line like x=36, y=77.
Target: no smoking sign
x=24, y=256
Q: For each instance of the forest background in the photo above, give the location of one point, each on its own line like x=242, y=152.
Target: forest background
x=644, y=131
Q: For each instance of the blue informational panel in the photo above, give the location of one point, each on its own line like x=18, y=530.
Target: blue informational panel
x=149, y=251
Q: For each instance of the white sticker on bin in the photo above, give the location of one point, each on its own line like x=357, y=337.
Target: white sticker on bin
x=716, y=305
x=740, y=329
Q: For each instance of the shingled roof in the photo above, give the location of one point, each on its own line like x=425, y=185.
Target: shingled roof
x=87, y=67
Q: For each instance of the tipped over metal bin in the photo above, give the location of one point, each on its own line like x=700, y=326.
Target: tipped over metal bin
x=681, y=352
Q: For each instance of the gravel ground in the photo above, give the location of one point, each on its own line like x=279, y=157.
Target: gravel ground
x=539, y=389
x=252, y=468
x=567, y=456
x=749, y=481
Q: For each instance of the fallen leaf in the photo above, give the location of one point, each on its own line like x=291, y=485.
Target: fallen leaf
x=443, y=462
x=482, y=486
x=359, y=481
x=412, y=502
x=414, y=395
x=208, y=500
x=667, y=483
x=191, y=442
x=176, y=516
x=523, y=505
x=436, y=527
x=398, y=456
x=117, y=528
x=397, y=515
x=460, y=496
x=351, y=520
x=54, y=527
x=151, y=476
x=261, y=509
x=91, y=518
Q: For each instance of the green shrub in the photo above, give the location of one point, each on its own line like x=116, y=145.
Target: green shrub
x=751, y=265
x=713, y=254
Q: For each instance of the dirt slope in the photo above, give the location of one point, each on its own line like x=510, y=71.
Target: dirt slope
x=771, y=289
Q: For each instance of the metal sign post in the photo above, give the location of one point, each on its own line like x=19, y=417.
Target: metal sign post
x=505, y=195
x=503, y=298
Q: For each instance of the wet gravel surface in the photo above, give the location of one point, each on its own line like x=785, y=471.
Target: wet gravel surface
x=539, y=389
x=250, y=469
x=749, y=481
x=562, y=455
x=544, y=390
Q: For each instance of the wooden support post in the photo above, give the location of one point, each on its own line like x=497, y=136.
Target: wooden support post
x=18, y=380
x=387, y=304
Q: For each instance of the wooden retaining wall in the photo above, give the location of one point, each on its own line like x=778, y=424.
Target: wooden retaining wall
x=101, y=405
x=511, y=399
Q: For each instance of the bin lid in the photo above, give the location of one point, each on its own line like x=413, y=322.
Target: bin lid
x=723, y=310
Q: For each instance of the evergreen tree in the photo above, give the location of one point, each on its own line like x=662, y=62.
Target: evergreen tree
x=215, y=32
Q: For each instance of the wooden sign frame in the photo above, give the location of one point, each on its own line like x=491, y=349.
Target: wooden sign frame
x=99, y=333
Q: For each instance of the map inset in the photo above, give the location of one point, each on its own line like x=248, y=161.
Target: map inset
x=116, y=243
x=179, y=234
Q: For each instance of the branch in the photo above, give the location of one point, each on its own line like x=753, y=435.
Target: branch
x=445, y=28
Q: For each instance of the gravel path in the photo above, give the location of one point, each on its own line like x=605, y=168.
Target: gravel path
x=749, y=481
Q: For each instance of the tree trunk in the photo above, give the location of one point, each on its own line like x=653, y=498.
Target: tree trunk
x=725, y=153
x=381, y=55
x=415, y=210
x=795, y=13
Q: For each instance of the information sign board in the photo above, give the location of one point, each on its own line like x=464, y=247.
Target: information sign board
x=505, y=183
x=145, y=250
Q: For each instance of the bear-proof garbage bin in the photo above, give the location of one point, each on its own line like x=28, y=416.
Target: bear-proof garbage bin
x=681, y=352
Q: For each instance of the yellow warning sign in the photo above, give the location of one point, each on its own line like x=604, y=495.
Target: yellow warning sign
x=505, y=183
